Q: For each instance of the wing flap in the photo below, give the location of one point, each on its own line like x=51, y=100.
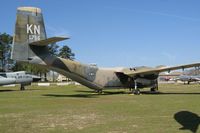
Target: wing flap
x=48, y=41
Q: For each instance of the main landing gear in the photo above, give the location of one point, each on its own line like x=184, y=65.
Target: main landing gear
x=135, y=90
x=155, y=87
x=99, y=91
x=22, y=88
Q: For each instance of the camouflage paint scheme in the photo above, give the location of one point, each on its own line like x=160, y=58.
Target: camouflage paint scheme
x=30, y=45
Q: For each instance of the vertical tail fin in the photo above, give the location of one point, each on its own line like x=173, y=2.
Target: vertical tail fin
x=29, y=28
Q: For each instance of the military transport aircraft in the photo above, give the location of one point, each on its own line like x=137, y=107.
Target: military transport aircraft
x=31, y=40
x=20, y=77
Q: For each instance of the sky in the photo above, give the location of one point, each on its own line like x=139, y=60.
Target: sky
x=119, y=33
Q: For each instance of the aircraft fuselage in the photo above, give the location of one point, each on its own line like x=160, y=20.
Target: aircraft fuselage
x=93, y=76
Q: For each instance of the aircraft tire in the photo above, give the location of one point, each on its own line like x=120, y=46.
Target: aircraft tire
x=99, y=91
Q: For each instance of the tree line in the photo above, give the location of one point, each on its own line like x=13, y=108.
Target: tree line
x=9, y=65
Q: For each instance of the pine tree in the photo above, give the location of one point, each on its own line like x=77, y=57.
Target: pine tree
x=66, y=52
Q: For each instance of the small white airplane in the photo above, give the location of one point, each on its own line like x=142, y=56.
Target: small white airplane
x=20, y=77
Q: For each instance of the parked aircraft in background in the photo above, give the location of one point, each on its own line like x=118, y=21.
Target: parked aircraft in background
x=187, y=79
x=168, y=76
x=21, y=77
x=31, y=40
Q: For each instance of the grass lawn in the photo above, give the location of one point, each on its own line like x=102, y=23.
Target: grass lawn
x=76, y=109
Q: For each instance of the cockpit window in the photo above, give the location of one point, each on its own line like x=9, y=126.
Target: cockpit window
x=3, y=74
x=27, y=73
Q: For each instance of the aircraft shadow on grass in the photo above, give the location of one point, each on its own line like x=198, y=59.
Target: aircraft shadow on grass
x=104, y=92
x=7, y=90
x=84, y=94
x=188, y=120
x=91, y=94
x=72, y=95
x=142, y=92
x=10, y=90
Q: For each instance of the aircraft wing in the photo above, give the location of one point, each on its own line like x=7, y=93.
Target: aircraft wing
x=133, y=72
x=196, y=79
x=48, y=41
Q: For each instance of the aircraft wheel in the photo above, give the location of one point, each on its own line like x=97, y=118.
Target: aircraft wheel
x=98, y=91
x=136, y=91
x=153, y=89
x=22, y=88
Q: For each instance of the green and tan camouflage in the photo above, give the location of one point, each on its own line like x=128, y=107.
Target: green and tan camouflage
x=30, y=45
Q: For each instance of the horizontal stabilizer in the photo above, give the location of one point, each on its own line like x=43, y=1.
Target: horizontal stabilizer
x=48, y=41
